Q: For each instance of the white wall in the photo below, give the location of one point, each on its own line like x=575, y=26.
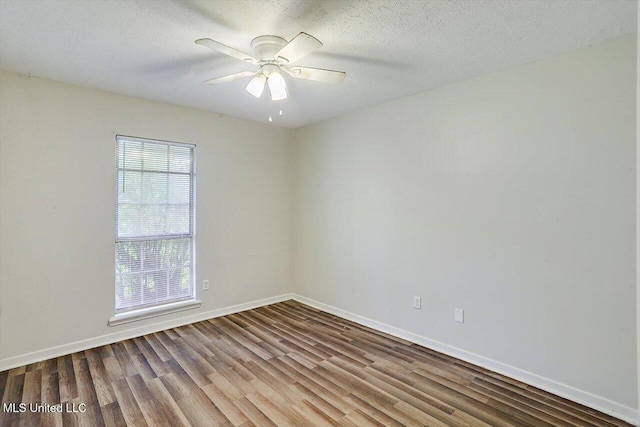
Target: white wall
x=638, y=215
x=57, y=201
x=511, y=196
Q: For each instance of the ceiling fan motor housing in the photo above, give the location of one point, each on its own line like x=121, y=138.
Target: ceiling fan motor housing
x=265, y=47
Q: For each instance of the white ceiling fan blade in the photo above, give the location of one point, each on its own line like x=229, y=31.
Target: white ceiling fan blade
x=214, y=45
x=231, y=77
x=302, y=45
x=256, y=85
x=317, y=74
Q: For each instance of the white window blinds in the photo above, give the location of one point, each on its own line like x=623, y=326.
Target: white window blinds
x=154, y=223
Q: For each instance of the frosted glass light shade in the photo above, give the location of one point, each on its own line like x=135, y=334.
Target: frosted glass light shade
x=256, y=85
x=277, y=87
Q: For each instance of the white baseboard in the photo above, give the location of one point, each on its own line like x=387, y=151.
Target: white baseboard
x=598, y=403
x=61, y=350
x=601, y=404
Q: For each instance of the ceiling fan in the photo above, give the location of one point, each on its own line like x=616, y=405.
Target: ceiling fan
x=274, y=55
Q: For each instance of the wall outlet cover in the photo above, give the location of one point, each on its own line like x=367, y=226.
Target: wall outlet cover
x=417, y=302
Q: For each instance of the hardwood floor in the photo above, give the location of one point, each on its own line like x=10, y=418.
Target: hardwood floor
x=283, y=364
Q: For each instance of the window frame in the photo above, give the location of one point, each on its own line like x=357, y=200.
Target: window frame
x=168, y=306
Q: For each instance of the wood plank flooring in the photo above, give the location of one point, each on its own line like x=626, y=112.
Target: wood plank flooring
x=286, y=364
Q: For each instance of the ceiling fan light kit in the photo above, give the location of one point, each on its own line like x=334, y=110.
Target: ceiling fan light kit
x=256, y=85
x=277, y=86
x=273, y=55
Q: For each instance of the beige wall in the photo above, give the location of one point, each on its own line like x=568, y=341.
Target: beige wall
x=57, y=201
x=511, y=196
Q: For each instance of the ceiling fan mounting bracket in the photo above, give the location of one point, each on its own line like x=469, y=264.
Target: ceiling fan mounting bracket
x=265, y=47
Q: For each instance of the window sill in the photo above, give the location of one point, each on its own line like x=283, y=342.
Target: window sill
x=147, y=313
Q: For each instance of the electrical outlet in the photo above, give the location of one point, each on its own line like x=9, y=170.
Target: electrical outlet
x=205, y=285
x=459, y=315
x=417, y=302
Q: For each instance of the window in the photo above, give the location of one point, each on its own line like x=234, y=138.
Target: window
x=154, y=250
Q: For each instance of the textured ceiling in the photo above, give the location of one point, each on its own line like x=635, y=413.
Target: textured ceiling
x=389, y=49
